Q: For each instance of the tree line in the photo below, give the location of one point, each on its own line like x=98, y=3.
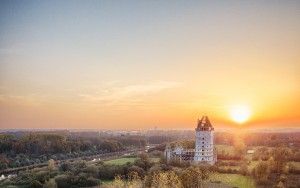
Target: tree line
x=35, y=148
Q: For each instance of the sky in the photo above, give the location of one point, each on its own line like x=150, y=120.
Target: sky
x=144, y=64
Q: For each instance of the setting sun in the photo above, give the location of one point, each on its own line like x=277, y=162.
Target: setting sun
x=240, y=113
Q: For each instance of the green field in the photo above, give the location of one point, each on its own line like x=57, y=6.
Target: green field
x=124, y=160
x=234, y=180
x=120, y=161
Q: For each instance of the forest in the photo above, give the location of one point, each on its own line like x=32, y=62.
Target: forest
x=274, y=162
x=34, y=148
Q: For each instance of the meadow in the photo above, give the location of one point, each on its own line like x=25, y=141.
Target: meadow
x=235, y=180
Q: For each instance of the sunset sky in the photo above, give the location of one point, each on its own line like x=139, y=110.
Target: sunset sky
x=141, y=64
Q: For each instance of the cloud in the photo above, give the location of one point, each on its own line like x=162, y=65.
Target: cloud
x=32, y=99
x=129, y=93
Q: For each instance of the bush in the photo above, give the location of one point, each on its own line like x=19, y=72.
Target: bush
x=92, y=170
x=42, y=176
x=110, y=171
x=36, y=184
x=50, y=184
x=140, y=172
x=261, y=172
x=65, y=167
x=143, y=161
x=63, y=181
x=84, y=181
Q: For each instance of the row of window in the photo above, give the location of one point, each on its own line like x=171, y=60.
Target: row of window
x=206, y=150
x=204, y=158
x=203, y=146
x=204, y=154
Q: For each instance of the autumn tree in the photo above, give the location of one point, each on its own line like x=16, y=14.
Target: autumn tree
x=244, y=168
x=50, y=184
x=280, y=155
x=261, y=172
x=166, y=180
x=239, y=146
x=51, y=165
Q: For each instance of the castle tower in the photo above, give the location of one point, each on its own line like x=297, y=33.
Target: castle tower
x=204, y=145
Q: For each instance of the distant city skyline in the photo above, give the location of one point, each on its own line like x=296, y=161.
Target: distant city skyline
x=140, y=64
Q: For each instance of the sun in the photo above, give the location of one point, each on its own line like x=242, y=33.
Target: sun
x=240, y=113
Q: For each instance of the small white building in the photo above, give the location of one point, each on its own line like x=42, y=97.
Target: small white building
x=204, y=151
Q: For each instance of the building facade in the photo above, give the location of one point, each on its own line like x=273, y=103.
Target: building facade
x=204, y=151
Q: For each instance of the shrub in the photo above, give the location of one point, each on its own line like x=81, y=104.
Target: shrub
x=140, y=172
x=63, y=181
x=36, y=184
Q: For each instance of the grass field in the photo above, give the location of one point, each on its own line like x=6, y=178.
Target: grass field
x=234, y=180
x=120, y=161
x=124, y=160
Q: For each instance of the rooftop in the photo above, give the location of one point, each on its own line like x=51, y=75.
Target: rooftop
x=204, y=124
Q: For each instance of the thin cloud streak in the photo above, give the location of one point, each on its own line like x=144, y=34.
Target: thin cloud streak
x=130, y=93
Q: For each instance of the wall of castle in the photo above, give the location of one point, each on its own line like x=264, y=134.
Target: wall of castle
x=204, y=146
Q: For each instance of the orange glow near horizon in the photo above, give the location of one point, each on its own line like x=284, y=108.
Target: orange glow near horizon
x=145, y=64
x=240, y=113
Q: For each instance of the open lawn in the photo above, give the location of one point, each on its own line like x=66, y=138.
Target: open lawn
x=120, y=161
x=234, y=180
x=124, y=160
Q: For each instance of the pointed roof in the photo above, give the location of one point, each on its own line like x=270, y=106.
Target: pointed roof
x=204, y=123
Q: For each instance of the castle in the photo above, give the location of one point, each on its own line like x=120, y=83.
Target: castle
x=204, y=151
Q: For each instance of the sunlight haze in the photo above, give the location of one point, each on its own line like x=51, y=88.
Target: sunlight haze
x=146, y=64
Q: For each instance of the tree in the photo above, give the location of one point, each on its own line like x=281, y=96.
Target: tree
x=280, y=157
x=261, y=172
x=280, y=185
x=65, y=167
x=36, y=184
x=239, y=146
x=92, y=170
x=271, y=163
x=189, y=178
x=51, y=165
x=138, y=170
x=50, y=184
x=42, y=176
x=166, y=180
x=83, y=181
x=244, y=169
x=63, y=181
x=117, y=183
x=143, y=161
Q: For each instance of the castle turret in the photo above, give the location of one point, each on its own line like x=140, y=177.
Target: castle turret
x=204, y=144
